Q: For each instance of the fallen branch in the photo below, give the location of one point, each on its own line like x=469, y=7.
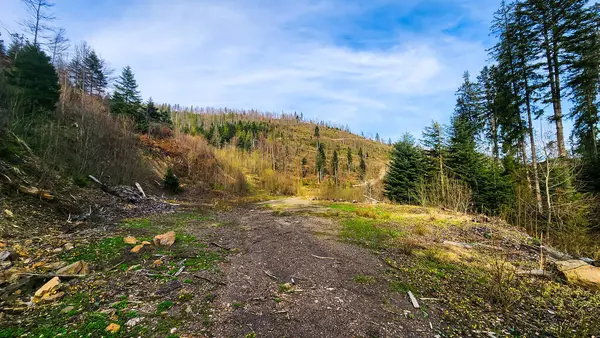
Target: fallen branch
x=220, y=246
x=140, y=189
x=271, y=275
x=413, y=299
x=209, y=280
x=50, y=276
x=534, y=273
x=179, y=271
x=321, y=257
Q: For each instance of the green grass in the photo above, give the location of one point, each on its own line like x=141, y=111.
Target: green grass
x=367, y=232
x=343, y=207
x=204, y=260
x=103, y=251
x=401, y=287
x=364, y=279
x=136, y=223
x=164, y=306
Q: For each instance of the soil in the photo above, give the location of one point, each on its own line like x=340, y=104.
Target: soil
x=325, y=300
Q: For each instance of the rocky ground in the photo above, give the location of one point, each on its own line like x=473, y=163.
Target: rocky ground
x=287, y=268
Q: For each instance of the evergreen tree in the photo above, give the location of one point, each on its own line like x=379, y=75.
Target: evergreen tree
x=406, y=171
x=362, y=164
x=435, y=148
x=349, y=159
x=95, y=79
x=35, y=79
x=126, y=99
x=335, y=164
x=321, y=161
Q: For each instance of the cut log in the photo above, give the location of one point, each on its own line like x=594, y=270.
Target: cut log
x=413, y=300
x=140, y=189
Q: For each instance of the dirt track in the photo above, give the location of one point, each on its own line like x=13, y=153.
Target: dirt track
x=326, y=301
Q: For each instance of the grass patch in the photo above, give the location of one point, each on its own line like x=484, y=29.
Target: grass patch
x=343, y=207
x=364, y=279
x=136, y=223
x=106, y=250
x=204, y=260
x=164, y=306
x=401, y=287
x=366, y=232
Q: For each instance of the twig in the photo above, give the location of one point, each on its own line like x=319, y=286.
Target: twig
x=209, y=280
x=320, y=257
x=220, y=246
x=179, y=271
x=116, y=265
x=413, y=299
x=423, y=298
x=48, y=276
x=271, y=275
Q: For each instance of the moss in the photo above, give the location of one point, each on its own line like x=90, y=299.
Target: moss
x=103, y=251
x=164, y=306
x=364, y=279
x=401, y=287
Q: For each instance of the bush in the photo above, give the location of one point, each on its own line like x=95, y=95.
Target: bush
x=171, y=181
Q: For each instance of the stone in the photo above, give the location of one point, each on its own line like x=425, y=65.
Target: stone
x=9, y=214
x=67, y=309
x=130, y=240
x=48, y=291
x=580, y=273
x=68, y=246
x=137, y=248
x=166, y=239
x=113, y=328
x=77, y=268
x=134, y=321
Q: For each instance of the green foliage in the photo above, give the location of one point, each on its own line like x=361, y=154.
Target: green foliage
x=35, y=79
x=126, y=98
x=321, y=161
x=406, y=171
x=101, y=252
x=366, y=232
x=171, y=181
x=164, y=306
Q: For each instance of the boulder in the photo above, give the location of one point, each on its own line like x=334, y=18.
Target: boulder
x=48, y=292
x=166, y=239
x=77, y=268
x=113, y=328
x=580, y=273
x=130, y=240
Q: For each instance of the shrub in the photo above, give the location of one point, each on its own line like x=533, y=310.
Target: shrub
x=171, y=181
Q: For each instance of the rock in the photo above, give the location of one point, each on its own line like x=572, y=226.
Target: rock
x=130, y=240
x=68, y=246
x=457, y=244
x=57, y=250
x=9, y=214
x=4, y=255
x=67, y=309
x=113, y=328
x=173, y=330
x=134, y=321
x=580, y=273
x=166, y=239
x=48, y=291
x=77, y=268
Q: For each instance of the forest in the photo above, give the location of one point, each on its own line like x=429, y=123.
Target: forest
x=504, y=151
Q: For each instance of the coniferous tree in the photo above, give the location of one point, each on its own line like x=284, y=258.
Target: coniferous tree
x=435, y=148
x=95, y=79
x=126, y=99
x=362, y=164
x=406, y=171
x=349, y=159
x=335, y=164
x=321, y=161
x=35, y=79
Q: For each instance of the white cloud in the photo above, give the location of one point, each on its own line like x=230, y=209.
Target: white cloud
x=282, y=55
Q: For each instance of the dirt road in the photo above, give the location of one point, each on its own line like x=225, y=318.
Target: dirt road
x=335, y=289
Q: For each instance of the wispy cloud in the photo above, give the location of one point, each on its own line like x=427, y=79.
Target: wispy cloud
x=378, y=66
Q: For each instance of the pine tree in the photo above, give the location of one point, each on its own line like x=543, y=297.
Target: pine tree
x=321, y=161
x=362, y=164
x=406, y=171
x=126, y=99
x=335, y=164
x=349, y=159
x=95, y=79
x=35, y=78
x=435, y=148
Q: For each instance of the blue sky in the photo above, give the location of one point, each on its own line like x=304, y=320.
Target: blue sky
x=379, y=66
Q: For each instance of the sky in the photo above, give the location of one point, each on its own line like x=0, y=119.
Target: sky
x=378, y=66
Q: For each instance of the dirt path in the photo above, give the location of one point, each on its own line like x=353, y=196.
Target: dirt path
x=340, y=289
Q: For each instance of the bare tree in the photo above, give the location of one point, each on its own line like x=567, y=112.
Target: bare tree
x=58, y=44
x=39, y=17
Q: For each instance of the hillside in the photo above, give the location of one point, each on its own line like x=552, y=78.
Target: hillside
x=277, y=153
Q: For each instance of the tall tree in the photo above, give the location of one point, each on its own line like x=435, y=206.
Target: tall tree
x=435, y=148
x=349, y=159
x=321, y=161
x=362, y=164
x=126, y=98
x=95, y=79
x=58, y=45
x=78, y=73
x=35, y=78
x=39, y=18
x=335, y=165
x=406, y=171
